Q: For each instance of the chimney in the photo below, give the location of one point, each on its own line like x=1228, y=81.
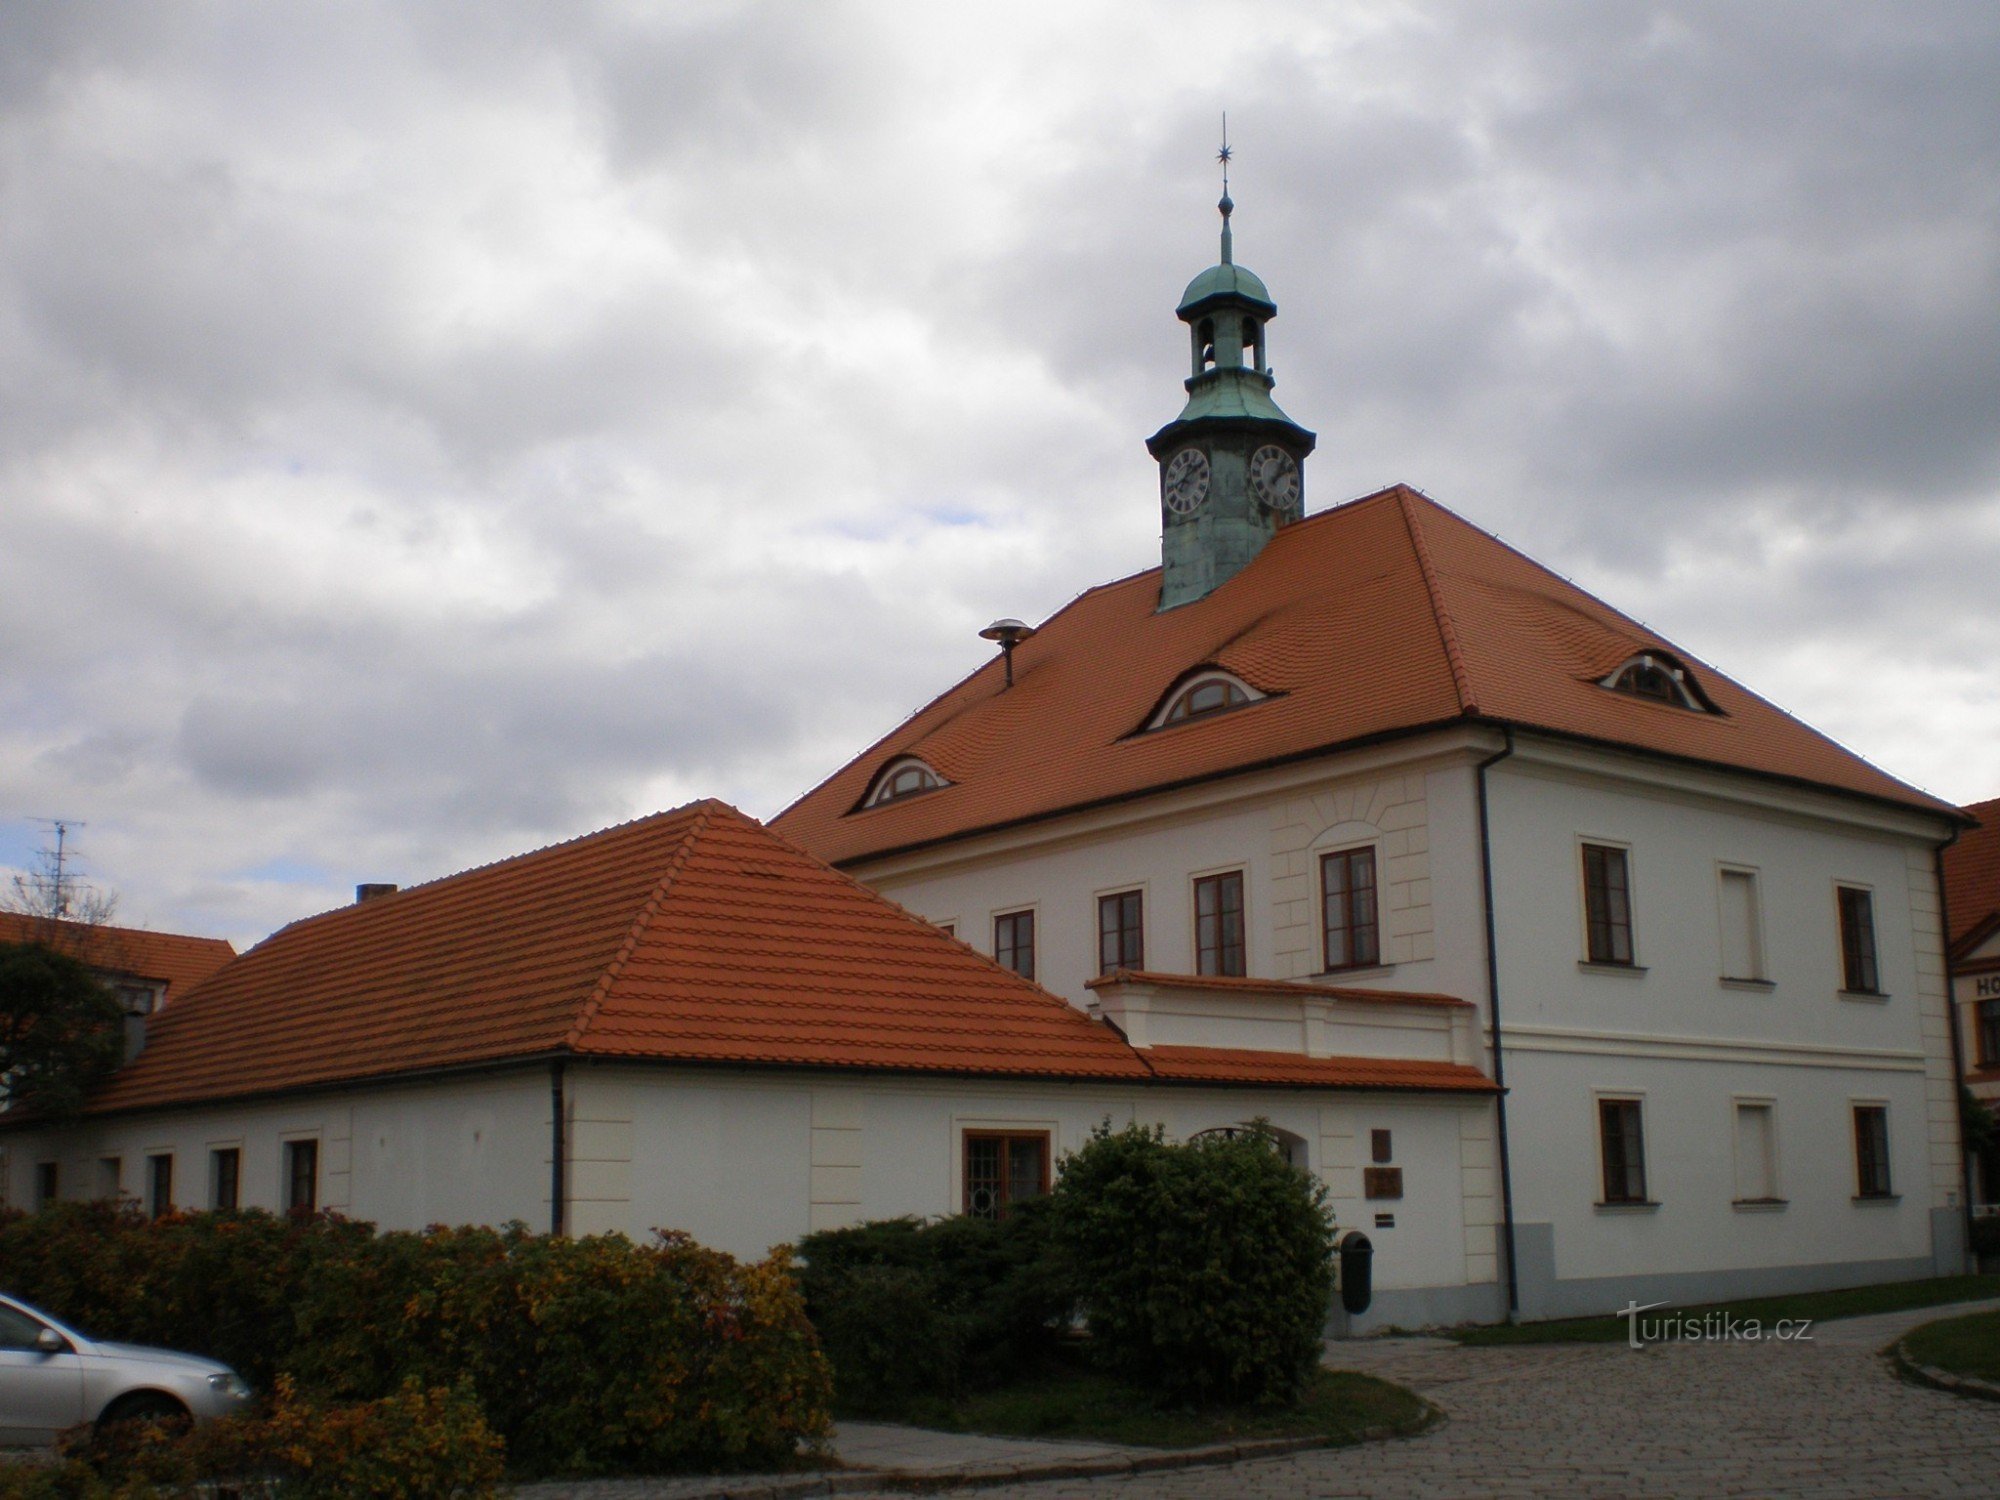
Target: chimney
x=372, y=890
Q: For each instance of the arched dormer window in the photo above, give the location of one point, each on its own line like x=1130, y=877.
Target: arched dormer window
x=1210, y=692
x=905, y=776
x=1658, y=677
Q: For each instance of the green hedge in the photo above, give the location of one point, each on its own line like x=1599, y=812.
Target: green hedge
x=908, y=1308
x=1205, y=1269
x=585, y=1355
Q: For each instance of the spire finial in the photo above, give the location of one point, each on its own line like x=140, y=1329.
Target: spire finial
x=1227, y=204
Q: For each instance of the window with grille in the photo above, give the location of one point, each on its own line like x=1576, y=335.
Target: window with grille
x=1857, y=942
x=1002, y=1168
x=1871, y=1150
x=1121, y=932
x=159, y=1185
x=1014, y=942
x=1218, y=924
x=225, y=1170
x=1624, y=1146
x=1348, y=909
x=1987, y=1021
x=1607, y=904
x=302, y=1175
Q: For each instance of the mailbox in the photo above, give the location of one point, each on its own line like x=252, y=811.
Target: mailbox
x=1357, y=1273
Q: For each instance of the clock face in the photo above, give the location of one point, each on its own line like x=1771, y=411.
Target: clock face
x=1274, y=478
x=1185, y=484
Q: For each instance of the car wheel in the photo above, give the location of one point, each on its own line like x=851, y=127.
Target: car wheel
x=146, y=1406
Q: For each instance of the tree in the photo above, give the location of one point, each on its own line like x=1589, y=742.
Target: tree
x=62, y=1032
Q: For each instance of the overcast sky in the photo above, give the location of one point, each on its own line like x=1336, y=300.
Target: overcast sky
x=429, y=431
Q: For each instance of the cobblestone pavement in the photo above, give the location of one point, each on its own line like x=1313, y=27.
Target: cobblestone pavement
x=1825, y=1419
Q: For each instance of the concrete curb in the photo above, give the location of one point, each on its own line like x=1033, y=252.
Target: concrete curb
x=1943, y=1380
x=919, y=1481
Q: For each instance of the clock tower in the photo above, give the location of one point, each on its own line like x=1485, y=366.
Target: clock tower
x=1231, y=462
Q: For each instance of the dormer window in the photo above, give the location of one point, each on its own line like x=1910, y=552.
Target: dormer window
x=1657, y=676
x=904, y=777
x=1206, y=693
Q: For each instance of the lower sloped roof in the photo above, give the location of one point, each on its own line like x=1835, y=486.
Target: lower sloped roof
x=174, y=959
x=694, y=936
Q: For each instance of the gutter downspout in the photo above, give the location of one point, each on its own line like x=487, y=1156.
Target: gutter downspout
x=1957, y=1044
x=556, y=1112
x=1499, y=1050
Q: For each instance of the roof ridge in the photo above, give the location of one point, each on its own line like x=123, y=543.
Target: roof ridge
x=1461, y=677
x=587, y=1012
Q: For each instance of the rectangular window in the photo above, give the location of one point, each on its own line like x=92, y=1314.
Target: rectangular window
x=1003, y=1168
x=1756, y=1154
x=1121, y=932
x=1857, y=942
x=159, y=1185
x=1381, y=1147
x=1347, y=903
x=110, y=1177
x=1607, y=904
x=46, y=1183
x=1871, y=1150
x=302, y=1175
x=225, y=1170
x=1218, y=924
x=1014, y=942
x=1986, y=1018
x=1624, y=1146
x=1742, y=937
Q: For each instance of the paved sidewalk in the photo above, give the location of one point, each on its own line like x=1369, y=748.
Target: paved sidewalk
x=1826, y=1418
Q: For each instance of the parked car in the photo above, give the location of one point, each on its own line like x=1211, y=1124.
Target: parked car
x=52, y=1377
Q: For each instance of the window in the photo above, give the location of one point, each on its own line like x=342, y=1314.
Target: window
x=1871, y=1150
x=1857, y=942
x=1986, y=1020
x=1014, y=942
x=903, y=778
x=1742, y=935
x=1655, y=676
x=302, y=1175
x=1002, y=1168
x=1347, y=902
x=1218, y=924
x=1210, y=692
x=18, y=1330
x=159, y=1185
x=225, y=1170
x=46, y=1183
x=1756, y=1153
x=949, y=929
x=1121, y=932
x=1624, y=1147
x=1607, y=904
x=1381, y=1148
x=110, y=1177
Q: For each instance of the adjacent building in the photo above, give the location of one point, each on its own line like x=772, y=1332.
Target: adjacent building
x=1972, y=899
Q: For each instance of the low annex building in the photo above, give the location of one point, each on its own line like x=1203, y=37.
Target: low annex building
x=684, y=1022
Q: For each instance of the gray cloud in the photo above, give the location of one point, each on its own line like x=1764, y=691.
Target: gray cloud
x=427, y=431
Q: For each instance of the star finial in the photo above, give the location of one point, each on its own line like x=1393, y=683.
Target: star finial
x=1227, y=204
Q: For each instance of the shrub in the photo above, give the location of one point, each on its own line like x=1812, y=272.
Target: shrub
x=1205, y=1269
x=585, y=1355
x=909, y=1308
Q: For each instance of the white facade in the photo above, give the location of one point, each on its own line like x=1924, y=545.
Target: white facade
x=1747, y=1083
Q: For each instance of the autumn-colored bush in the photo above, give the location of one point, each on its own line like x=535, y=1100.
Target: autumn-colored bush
x=585, y=1355
x=415, y=1444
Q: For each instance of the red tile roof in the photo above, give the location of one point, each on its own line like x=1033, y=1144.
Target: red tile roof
x=170, y=958
x=1232, y=1065
x=694, y=936
x=1385, y=616
x=1972, y=877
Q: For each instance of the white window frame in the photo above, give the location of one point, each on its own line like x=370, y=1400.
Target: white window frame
x=1598, y=1099
x=1234, y=867
x=1737, y=1104
x=1598, y=965
x=1761, y=980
